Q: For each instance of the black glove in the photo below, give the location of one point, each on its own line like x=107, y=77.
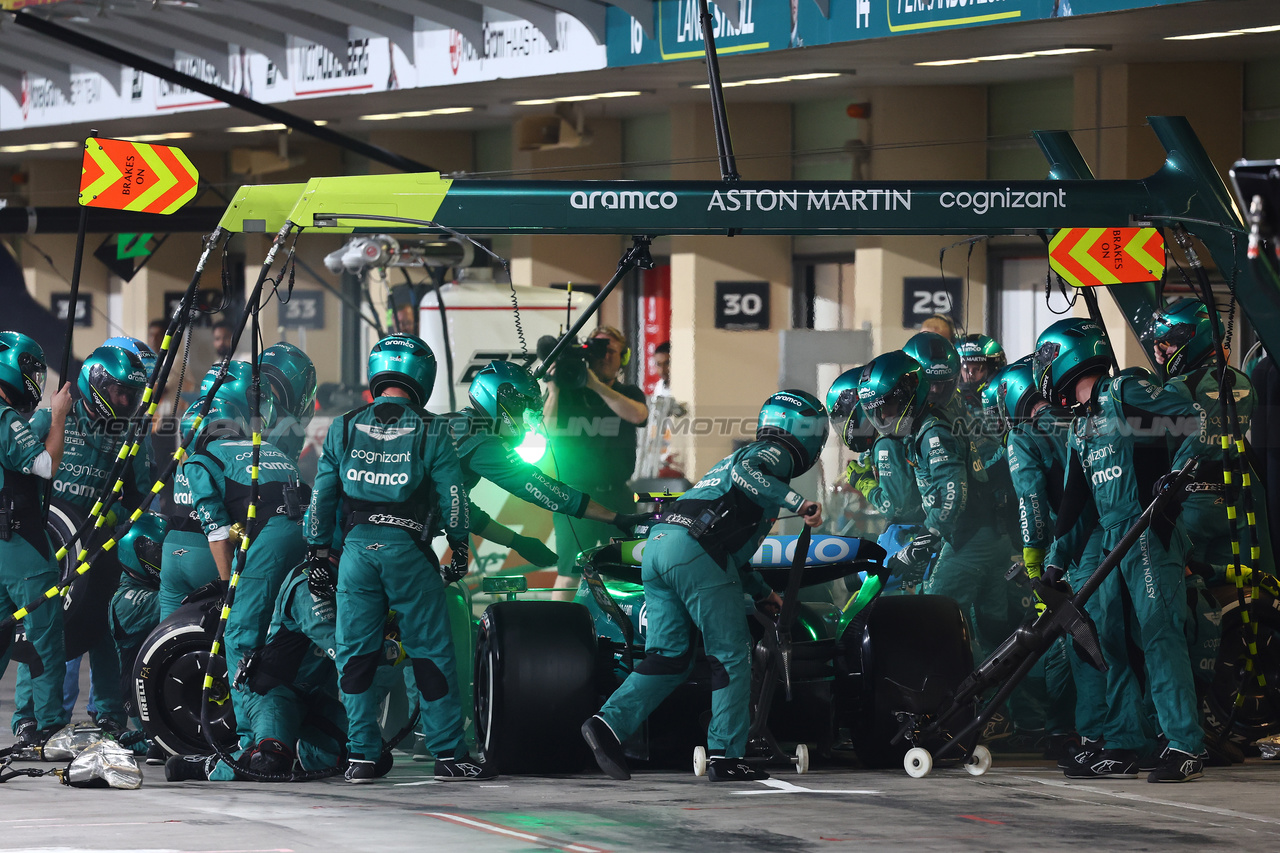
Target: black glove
x=626, y=522
x=322, y=579
x=1173, y=478
x=456, y=570
x=910, y=563
x=532, y=550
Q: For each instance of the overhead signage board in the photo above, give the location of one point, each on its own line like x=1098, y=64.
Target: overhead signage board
x=774, y=26
x=120, y=175
x=440, y=57
x=1097, y=257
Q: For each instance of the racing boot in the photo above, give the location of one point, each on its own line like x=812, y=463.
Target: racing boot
x=1073, y=749
x=188, y=768
x=360, y=771
x=1177, y=766
x=272, y=758
x=157, y=755
x=465, y=769
x=606, y=748
x=27, y=731
x=721, y=769
x=1104, y=764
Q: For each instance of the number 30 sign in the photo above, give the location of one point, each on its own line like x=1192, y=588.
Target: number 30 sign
x=742, y=305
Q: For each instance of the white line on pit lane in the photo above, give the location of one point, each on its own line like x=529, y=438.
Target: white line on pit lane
x=423, y=782
x=781, y=787
x=1232, y=813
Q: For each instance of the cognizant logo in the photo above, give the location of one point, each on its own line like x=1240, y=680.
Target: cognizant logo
x=625, y=200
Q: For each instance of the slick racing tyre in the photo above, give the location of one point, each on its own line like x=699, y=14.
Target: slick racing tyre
x=912, y=651
x=84, y=608
x=168, y=677
x=535, y=685
x=1259, y=714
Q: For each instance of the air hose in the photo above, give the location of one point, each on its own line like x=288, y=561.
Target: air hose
x=1237, y=482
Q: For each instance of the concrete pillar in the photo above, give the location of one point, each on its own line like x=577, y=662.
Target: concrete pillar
x=545, y=260
x=1113, y=102
x=920, y=115
x=725, y=375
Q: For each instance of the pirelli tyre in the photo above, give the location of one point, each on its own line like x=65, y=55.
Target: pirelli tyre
x=535, y=685
x=85, y=606
x=908, y=654
x=168, y=677
x=1258, y=715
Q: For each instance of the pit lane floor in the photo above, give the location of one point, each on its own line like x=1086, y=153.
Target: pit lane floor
x=1020, y=804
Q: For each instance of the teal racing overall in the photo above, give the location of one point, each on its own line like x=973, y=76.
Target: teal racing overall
x=27, y=569
x=187, y=563
x=88, y=453
x=1118, y=452
x=1204, y=512
x=393, y=469
x=696, y=579
x=219, y=477
x=896, y=495
x=1037, y=454
x=135, y=613
x=975, y=552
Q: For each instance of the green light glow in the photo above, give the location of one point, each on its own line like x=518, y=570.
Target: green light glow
x=534, y=445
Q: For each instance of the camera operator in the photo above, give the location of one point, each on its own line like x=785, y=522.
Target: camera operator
x=592, y=431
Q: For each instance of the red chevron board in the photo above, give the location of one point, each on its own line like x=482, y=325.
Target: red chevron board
x=122, y=175
x=1092, y=257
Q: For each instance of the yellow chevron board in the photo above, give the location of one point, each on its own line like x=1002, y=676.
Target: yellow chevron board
x=413, y=196
x=1095, y=257
x=260, y=209
x=121, y=175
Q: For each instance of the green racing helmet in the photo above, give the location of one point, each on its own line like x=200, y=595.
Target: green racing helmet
x=221, y=421
x=403, y=361
x=1065, y=352
x=1012, y=393
x=846, y=415
x=236, y=393
x=503, y=391
x=141, y=548
x=111, y=382
x=138, y=348
x=293, y=379
x=797, y=421
x=981, y=356
x=939, y=362
x=1183, y=326
x=22, y=371
x=892, y=392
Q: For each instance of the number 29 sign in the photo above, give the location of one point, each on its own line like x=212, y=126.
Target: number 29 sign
x=925, y=296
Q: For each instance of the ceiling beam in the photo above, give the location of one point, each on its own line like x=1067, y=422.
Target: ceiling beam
x=148, y=26
x=109, y=71
x=331, y=35
x=641, y=10
x=57, y=73
x=462, y=15
x=589, y=13
x=395, y=26
x=543, y=18
x=271, y=43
